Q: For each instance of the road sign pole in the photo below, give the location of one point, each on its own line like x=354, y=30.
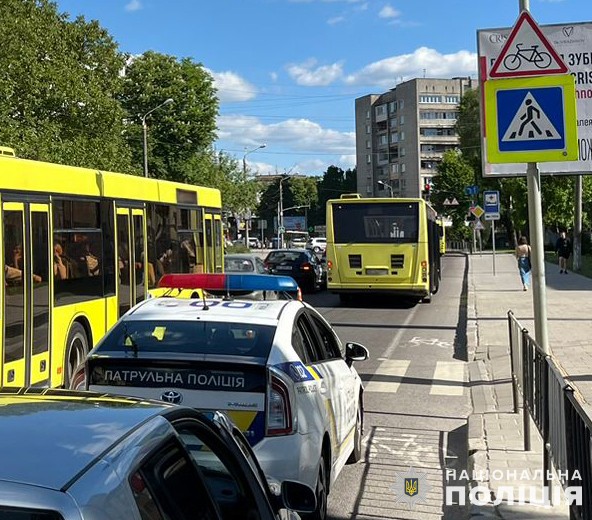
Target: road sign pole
x=493, y=242
x=535, y=218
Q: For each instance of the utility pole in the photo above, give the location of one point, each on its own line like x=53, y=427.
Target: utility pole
x=577, y=236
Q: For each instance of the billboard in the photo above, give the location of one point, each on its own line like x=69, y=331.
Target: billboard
x=295, y=223
x=573, y=41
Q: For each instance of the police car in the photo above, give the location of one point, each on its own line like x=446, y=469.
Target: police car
x=276, y=367
x=78, y=455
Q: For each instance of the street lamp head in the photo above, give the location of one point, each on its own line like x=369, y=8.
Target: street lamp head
x=168, y=101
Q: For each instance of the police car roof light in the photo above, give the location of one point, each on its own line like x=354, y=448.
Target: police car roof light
x=229, y=282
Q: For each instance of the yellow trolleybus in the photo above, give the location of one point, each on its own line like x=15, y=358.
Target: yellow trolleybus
x=79, y=248
x=382, y=246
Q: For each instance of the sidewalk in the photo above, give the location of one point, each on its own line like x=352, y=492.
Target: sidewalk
x=495, y=432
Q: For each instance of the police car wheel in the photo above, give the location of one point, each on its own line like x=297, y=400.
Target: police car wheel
x=77, y=348
x=321, y=493
x=356, y=454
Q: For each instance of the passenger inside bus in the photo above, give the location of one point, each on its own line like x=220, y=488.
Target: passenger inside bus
x=61, y=265
x=13, y=271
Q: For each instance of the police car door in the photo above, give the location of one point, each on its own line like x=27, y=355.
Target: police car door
x=329, y=385
x=340, y=379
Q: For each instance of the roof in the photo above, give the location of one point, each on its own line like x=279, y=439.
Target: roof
x=50, y=436
x=236, y=310
x=250, y=256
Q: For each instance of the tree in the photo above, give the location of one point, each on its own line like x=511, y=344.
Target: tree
x=176, y=132
x=59, y=85
x=454, y=175
x=332, y=185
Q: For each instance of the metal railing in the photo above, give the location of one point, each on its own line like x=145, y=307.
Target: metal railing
x=561, y=416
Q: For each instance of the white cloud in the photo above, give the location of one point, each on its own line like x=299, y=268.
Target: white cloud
x=299, y=145
x=309, y=75
x=231, y=87
x=389, y=12
x=335, y=20
x=134, y=5
x=386, y=73
x=274, y=76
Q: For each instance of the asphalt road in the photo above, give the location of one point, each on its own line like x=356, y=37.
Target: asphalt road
x=416, y=400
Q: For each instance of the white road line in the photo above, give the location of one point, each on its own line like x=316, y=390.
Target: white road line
x=397, y=338
x=451, y=371
x=388, y=368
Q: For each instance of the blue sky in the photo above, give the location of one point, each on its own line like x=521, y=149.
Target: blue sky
x=288, y=71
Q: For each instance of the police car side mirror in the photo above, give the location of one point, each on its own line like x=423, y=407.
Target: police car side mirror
x=355, y=352
x=298, y=497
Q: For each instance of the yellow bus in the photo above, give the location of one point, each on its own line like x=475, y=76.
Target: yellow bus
x=382, y=245
x=79, y=248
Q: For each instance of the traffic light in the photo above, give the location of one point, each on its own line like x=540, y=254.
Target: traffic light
x=427, y=190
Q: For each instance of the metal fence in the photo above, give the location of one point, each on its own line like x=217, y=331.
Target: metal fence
x=561, y=416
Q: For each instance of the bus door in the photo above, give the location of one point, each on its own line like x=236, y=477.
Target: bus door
x=209, y=244
x=131, y=258
x=24, y=350
x=218, y=240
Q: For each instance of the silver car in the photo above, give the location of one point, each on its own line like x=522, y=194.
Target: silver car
x=77, y=455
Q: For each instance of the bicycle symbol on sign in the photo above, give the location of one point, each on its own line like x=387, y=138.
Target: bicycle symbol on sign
x=541, y=59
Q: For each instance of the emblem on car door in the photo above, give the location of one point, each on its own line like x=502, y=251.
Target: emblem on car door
x=172, y=396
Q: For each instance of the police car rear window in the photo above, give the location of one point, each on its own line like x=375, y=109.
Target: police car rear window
x=10, y=513
x=190, y=337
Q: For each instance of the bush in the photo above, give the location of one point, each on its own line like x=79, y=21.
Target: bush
x=236, y=249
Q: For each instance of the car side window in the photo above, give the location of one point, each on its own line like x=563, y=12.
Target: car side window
x=226, y=480
x=169, y=485
x=329, y=341
x=260, y=266
x=312, y=347
x=298, y=344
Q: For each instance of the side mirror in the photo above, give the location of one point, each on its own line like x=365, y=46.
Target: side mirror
x=355, y=352
x=298, y=497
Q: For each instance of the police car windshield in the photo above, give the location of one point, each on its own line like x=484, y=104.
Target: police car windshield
x=190, y=337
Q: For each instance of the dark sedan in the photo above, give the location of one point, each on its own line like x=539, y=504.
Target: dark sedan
x=300, y=264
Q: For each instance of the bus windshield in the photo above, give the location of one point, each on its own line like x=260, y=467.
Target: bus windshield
x=376, y=223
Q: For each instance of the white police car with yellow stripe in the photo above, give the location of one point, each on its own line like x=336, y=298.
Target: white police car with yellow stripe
x=276, y=367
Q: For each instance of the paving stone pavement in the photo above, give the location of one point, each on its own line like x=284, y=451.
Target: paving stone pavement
x=496, y=433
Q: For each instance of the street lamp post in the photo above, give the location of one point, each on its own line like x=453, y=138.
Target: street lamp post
x=386, y=185
x=145, y=132
x=248, y=213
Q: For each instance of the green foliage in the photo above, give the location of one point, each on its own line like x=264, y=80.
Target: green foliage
x=59, y=85
x=175, y=132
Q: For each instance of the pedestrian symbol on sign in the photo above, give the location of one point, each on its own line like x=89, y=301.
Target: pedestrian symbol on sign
x=530, y=122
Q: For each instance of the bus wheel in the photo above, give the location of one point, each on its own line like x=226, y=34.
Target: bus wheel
x=76, y=350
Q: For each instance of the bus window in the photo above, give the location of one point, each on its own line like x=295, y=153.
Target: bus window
x=139, y=263
x=41, y=296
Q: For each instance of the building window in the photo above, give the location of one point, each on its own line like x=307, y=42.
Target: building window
x=394, y=168
x=392, y=106
x=452, y=99
x=403, y=168
x=367, y=114
x=402, y=152
x=394, y=137
x=368, y=129
x=402, y=120
x=430, y=99
x=380, y=110
x=401, y=104
x=382, y=140
x=367, y=144
x=402, y=136
x=368, y=159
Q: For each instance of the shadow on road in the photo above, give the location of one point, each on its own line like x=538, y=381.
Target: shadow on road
x=374, y=301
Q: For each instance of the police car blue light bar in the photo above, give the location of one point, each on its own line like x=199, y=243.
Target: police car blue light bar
x=229, y=282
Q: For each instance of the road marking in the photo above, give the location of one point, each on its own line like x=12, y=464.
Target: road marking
x=388, y=368
x=435, y=342
x=452, y=371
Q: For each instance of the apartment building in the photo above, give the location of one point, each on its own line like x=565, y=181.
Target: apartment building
x=402, y=135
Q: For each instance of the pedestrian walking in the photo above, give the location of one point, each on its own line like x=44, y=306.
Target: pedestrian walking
x=563, y=248
x=524, y=264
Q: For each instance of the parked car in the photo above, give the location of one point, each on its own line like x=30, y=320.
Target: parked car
x=277, y=368
x=248, y=263
x=297, y=242
x=75, y=456
x=254, y=243
x=317, y=244
x=300, y=264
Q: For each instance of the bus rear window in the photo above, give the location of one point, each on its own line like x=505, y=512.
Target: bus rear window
x=376, y=223
x=189, y=337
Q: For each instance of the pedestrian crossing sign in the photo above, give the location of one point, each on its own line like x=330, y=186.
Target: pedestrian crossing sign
x=531, y=120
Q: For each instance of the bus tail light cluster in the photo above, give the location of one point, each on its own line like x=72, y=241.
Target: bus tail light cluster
x=280, y=420
x=424, y=271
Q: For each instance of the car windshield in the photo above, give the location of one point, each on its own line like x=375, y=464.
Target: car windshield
x=284, y=256
x=243, y=265
x=189, y=337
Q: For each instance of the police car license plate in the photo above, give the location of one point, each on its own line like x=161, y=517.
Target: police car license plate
x=284, y=267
